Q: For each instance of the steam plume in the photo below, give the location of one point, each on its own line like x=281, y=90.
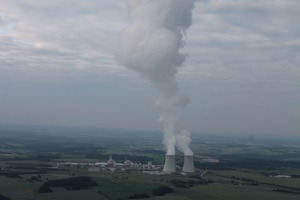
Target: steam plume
x=150, y=46
x=183, y=142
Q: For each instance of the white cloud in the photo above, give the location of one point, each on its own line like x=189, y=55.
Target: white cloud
x=59, y=35
x=234, y=46
x=64, y=34
x=245, y=40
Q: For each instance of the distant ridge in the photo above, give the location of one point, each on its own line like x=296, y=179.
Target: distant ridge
x=76, y=130
x=41, y=127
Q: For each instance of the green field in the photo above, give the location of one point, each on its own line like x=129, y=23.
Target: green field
x=236, y=170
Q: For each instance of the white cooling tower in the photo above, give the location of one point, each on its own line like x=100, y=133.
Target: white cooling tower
x=188, y=166
x=170, y=165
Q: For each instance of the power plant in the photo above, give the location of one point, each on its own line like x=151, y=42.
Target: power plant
x=170, y=165
x=111, y=166
x=188, y=166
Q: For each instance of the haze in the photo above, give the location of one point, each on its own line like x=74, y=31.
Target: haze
x=58, y=67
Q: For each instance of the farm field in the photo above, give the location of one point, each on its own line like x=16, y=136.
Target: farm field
x=236, y=169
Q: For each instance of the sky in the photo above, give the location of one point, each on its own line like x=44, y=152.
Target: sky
x=59, y=66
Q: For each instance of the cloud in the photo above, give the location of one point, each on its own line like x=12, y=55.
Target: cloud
x=59, y=35
x=249, y=41
x=38, y=36
x=246, y=48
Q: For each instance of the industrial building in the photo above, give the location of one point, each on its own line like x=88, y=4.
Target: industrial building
x=169, y=167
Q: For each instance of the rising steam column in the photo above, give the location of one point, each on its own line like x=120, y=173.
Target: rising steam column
x=151, y=45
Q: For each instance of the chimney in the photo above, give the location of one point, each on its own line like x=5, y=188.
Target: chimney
x=188, y=166
x=170, y=165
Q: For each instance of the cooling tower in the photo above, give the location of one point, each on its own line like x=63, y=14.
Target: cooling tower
x=170, y=165
x=188, y=166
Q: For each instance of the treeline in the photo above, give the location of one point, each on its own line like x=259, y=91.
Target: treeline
x=276, y=174
x=247, y=180
x=139, y=196
x=11, y=174
x=286, y=191
x=74, y=183
x=295, y=176
x=257, y=164
x=119, y=157
x=161, y=191
x=38, y=157
x=189, y=183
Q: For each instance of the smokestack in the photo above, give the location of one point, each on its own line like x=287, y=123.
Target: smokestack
x=170, y=165
x=188, y=166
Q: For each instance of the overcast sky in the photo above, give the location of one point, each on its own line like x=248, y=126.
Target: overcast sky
x=58, y=66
